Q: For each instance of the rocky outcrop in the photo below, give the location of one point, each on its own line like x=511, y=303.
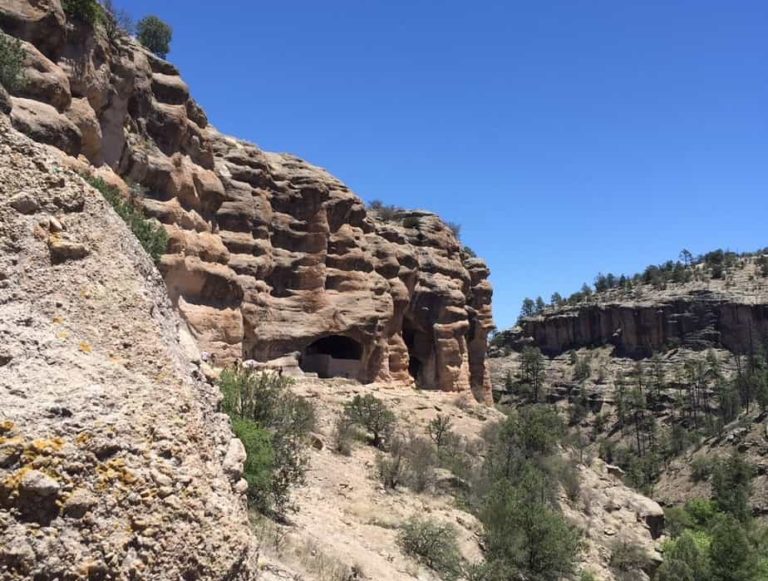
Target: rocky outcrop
x=269, y=255
x=114, y=463
x=695, y=320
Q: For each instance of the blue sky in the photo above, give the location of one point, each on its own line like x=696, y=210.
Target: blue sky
x=568, y=137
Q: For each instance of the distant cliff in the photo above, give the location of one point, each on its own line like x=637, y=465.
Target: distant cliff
x=730, y=313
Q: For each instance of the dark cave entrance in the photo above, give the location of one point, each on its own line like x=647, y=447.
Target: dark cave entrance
x=332, y=356
x=420, y=353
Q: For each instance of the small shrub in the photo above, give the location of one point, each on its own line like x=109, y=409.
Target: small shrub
x=385, y=212
x=701, y=468
x=88, y=11
x=372, y=414
x=626, y=556
x=11, y=62
x=390, y=469
x=155, y=34
x=343, y=435
x=410, y=462
x=260, y=458
x=439, y=430
x=152, y=236
x=411, y=222
x=455, y=228
x=117, y=21
x=433, y=544
x=420, y=460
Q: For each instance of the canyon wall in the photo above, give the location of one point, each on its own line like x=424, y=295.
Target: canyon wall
x=268, y=255
x=697, y=320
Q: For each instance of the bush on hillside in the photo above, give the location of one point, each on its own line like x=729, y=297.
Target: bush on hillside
x=88, y=11
x=433, y=544
x=155, y=34
x=152, y=236
x=386, y=212
x=372, y=414
x=11, y=62
x=274, y=425
x=117, y=21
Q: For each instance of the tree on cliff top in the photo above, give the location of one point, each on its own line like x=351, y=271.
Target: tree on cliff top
x=155, y=35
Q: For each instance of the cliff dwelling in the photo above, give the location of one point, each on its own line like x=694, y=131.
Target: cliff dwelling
x=421, y=358
x=332, y=356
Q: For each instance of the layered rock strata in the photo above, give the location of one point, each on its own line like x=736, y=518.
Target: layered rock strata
x=696, y=320
x=269, y=255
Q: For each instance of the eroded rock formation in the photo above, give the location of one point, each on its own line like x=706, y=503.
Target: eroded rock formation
x=268, y=255
x=696, y=320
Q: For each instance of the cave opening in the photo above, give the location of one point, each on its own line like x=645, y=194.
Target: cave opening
x=332, y=356
x=420, y=353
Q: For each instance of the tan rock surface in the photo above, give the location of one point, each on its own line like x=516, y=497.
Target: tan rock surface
x=113, y=460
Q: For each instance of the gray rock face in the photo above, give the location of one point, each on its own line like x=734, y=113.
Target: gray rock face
x=113, y=459
x=696, y=321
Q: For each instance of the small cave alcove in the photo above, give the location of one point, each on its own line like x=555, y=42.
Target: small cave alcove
x=332, y=356
x=420, y=354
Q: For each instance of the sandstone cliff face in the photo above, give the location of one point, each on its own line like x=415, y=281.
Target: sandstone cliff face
x=696, y=320
x=269, y=255
x=113, y=461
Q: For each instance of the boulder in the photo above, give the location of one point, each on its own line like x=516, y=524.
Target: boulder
x=43, y=80
x=82, y=115
x=40, y=22
x=43, y=123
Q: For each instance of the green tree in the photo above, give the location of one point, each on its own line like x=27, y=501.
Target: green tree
x=532, y=370
x=732, y=554
x=685, y=559
x=528, y=309
x=731, y=486
x=372, y=414
x=155, y=34
x=526, y=533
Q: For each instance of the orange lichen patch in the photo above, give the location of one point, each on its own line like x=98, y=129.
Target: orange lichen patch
x=15, y=441
x=58, y=320
x=83, y=439
x=85, y=347
x=42, y=447
x=63, y=335
x=11, y=484
x=6, y=426
x=115, y=472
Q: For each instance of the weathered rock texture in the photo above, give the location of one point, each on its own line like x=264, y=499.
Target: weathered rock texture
x=113, y=461
x=696, y=319
x=268, y=253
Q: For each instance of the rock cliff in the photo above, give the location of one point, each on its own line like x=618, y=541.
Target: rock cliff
x=113, y=461
x=268, y=255
x=731, y=315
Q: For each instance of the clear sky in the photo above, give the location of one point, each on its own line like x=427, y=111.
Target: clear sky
x=567, y=137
